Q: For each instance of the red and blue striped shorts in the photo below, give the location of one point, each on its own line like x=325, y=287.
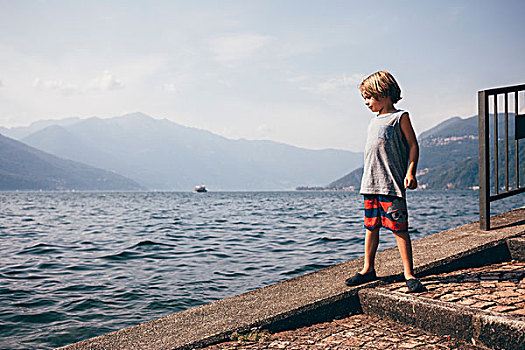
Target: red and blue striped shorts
x=386, y=211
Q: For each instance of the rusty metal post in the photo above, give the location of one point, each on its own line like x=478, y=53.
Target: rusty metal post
x=484, y=162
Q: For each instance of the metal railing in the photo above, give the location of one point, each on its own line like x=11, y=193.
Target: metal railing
x=495, y=103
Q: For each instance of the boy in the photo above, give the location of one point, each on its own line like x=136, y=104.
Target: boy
x=391, y=156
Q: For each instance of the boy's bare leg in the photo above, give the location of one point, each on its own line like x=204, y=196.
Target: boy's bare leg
x=371, y=244
x=404, y=245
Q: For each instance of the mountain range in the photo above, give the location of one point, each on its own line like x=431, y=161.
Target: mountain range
x=25, y=168
x=161, y=155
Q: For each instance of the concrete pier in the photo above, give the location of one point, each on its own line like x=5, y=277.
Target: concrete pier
x=315, y=297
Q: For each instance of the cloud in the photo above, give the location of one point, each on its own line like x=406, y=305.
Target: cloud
x=298, y=79
x=170, y=87
x=330, y=84
x=237, y=47
x=106, y=82
x=57, y=85
x=264, y=130
x=338, y=92
x=1, y=83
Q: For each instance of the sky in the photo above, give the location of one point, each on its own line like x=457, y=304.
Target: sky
x=281, y=70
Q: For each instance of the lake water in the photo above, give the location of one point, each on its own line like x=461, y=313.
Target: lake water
x=77, y=265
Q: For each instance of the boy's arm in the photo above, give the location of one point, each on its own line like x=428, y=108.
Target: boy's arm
x=413, y=156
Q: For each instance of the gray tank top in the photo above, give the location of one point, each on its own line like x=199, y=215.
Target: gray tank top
x=386, y=157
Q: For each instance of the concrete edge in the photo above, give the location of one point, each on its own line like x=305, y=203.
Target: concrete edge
x=490, y=253
x=517, y=248
x=479, y=327
x=323, y=310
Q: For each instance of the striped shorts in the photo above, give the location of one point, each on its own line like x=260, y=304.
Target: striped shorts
x=386, y=211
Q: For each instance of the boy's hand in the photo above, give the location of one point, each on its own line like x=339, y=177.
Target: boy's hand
x=410, y=182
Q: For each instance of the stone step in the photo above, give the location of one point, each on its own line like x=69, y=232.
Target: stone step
x=354, y=332
x=485, y=329
x=517, y=248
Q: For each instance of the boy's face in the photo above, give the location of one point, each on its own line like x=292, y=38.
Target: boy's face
x=376, y=105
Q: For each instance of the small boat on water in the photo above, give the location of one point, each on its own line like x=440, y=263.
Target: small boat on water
x=200, y=188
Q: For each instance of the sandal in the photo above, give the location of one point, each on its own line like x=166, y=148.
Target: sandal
x=415, y=286
x=358, y=278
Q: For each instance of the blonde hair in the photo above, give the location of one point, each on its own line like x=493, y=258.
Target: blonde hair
x=381, y=84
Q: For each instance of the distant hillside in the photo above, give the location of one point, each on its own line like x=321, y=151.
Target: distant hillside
x=349, y=181
x=448, y=157
x=454, y=126
x=452, y=141
x=449, y=154
x=25, y=168
x=461, y=174
x=163, y=155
